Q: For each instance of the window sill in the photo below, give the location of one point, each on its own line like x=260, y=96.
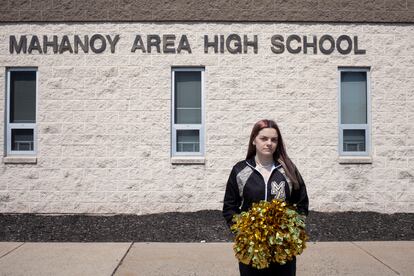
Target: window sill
x=355, y=160
x=24, y=159
x=186, y=160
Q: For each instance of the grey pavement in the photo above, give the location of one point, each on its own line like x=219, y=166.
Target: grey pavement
x=148, y=259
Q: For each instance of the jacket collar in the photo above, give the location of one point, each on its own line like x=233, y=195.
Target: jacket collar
x=252, y=163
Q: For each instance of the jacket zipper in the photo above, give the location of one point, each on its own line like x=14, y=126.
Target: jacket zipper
x=266, y=183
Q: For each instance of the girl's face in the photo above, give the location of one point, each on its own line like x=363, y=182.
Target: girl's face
x=266, y=142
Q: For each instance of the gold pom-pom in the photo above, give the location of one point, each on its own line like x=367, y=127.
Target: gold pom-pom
x=269, y=232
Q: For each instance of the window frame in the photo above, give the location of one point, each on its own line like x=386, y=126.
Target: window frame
x=10, y=126
x=367, y=126
x=175, y=127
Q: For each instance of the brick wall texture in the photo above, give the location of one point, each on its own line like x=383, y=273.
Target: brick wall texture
x=104, y=119
x=212, y=10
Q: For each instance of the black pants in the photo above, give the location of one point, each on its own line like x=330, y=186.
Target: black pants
x=275, y=269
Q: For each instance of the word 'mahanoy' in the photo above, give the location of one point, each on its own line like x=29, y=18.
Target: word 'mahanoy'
x=97, y=43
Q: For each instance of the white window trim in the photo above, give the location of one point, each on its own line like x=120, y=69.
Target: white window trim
x=11, y=126
x=175, y=127
x=366, y=127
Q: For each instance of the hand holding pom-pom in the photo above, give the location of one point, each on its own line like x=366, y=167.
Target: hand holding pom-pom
x=268, y=232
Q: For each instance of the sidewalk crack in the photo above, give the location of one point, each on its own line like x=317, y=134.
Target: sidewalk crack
x=373, y=256
x=12, y=250
x=122, y=259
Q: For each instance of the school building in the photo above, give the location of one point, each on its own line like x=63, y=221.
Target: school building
x=112, y=107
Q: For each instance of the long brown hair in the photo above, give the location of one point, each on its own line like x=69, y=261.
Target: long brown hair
x=279, y=155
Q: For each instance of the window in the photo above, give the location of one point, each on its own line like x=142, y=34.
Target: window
x=187, y=112
x=354, y=112
x=21, y=111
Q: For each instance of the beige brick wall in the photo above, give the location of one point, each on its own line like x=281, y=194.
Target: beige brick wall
x=104, y=120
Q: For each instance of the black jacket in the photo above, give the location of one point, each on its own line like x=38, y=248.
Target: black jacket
x=246, y=186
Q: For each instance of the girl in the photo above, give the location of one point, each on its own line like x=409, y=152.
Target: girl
x=266, y=174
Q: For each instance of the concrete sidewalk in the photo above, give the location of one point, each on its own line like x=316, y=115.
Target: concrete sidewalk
x=147, y=259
